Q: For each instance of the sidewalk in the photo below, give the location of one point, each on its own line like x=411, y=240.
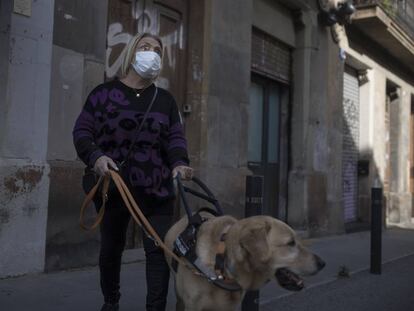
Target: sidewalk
x=79, y=289
x=351, y=251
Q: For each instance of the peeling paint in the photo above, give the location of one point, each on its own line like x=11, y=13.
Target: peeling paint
x=23, y=180
x=10, y=184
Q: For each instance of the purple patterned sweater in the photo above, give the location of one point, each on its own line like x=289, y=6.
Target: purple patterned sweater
x=107, y=125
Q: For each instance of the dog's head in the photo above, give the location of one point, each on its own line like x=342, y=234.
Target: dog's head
x=270, y=247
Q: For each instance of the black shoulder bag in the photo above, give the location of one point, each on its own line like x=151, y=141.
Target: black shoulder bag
x=90, y=178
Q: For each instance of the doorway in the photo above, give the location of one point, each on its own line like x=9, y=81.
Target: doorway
x=264, y=137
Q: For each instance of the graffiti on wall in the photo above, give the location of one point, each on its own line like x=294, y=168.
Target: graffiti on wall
x=115, y=36
x=146, y=22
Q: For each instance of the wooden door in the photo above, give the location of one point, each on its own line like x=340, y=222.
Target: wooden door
x=264, y=138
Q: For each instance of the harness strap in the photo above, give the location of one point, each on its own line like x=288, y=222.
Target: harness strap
x=133, y=208
x=216, y=276
x=224, y=281
x=219, y=265
x=142, y=221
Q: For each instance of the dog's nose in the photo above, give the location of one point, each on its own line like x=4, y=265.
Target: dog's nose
x=319, y=262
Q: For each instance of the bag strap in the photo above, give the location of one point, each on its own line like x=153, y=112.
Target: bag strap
x=141, y=126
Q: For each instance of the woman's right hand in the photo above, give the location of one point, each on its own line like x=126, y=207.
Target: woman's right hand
x=102, y=164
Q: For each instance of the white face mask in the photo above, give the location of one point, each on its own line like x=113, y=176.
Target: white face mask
x=147, y=64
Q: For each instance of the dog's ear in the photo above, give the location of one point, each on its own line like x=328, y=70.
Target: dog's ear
x=254, y=240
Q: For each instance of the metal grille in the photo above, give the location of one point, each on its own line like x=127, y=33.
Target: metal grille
x=270, y=57
x=350, y=146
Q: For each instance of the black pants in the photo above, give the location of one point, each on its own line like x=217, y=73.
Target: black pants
x=113, y=236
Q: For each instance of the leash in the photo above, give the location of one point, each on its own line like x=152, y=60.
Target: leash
x=89, y=199
x=133, y=208
x=215, y=276
x=207, y=196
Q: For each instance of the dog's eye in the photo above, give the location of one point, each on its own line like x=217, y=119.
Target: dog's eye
x=291, y=243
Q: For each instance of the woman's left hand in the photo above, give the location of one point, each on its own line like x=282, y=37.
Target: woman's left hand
x=186, y=172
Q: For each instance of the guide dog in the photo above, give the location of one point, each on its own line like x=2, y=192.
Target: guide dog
x=257, y=249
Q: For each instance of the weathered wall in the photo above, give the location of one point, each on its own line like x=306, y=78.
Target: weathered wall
x=399, y=200
x=24, y=102
x=78, y=63
x=5, y=20
x=226, y=69
x=315, y=183
x=305, y=27
x=274, y=19
x=23, y=213
x=334, y=139
x=366, y=136
x=316, y=138
x=325, y=127
x=374, y=134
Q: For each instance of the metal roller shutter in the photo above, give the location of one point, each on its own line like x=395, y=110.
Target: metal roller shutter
x=350, y=146
x=270, y=57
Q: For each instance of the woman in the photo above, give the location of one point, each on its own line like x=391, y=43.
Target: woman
x=103, y=134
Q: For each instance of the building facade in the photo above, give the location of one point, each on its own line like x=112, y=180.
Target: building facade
x=263, y=87
x=379, y=85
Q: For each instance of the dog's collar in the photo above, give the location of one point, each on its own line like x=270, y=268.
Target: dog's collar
x=221, y=266
x=184, y=246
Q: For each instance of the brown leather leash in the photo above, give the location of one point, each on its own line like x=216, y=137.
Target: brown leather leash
x=143, y=222
x=89, y=199
x=133, y=208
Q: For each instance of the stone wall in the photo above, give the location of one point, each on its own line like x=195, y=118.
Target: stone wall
x=25, y=56
x=78, y=65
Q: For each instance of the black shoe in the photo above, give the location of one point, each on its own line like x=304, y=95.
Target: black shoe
x=110, y=307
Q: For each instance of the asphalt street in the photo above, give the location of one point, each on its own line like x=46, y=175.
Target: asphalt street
x=75, y=290
x=390, y=291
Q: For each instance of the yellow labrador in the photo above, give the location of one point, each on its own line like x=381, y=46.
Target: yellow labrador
x=257, y=249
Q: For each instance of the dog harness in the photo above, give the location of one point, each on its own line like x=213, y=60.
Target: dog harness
x=186, y=242
x=185, y=246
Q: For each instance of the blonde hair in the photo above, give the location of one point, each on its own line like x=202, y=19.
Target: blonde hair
x=130, y=50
